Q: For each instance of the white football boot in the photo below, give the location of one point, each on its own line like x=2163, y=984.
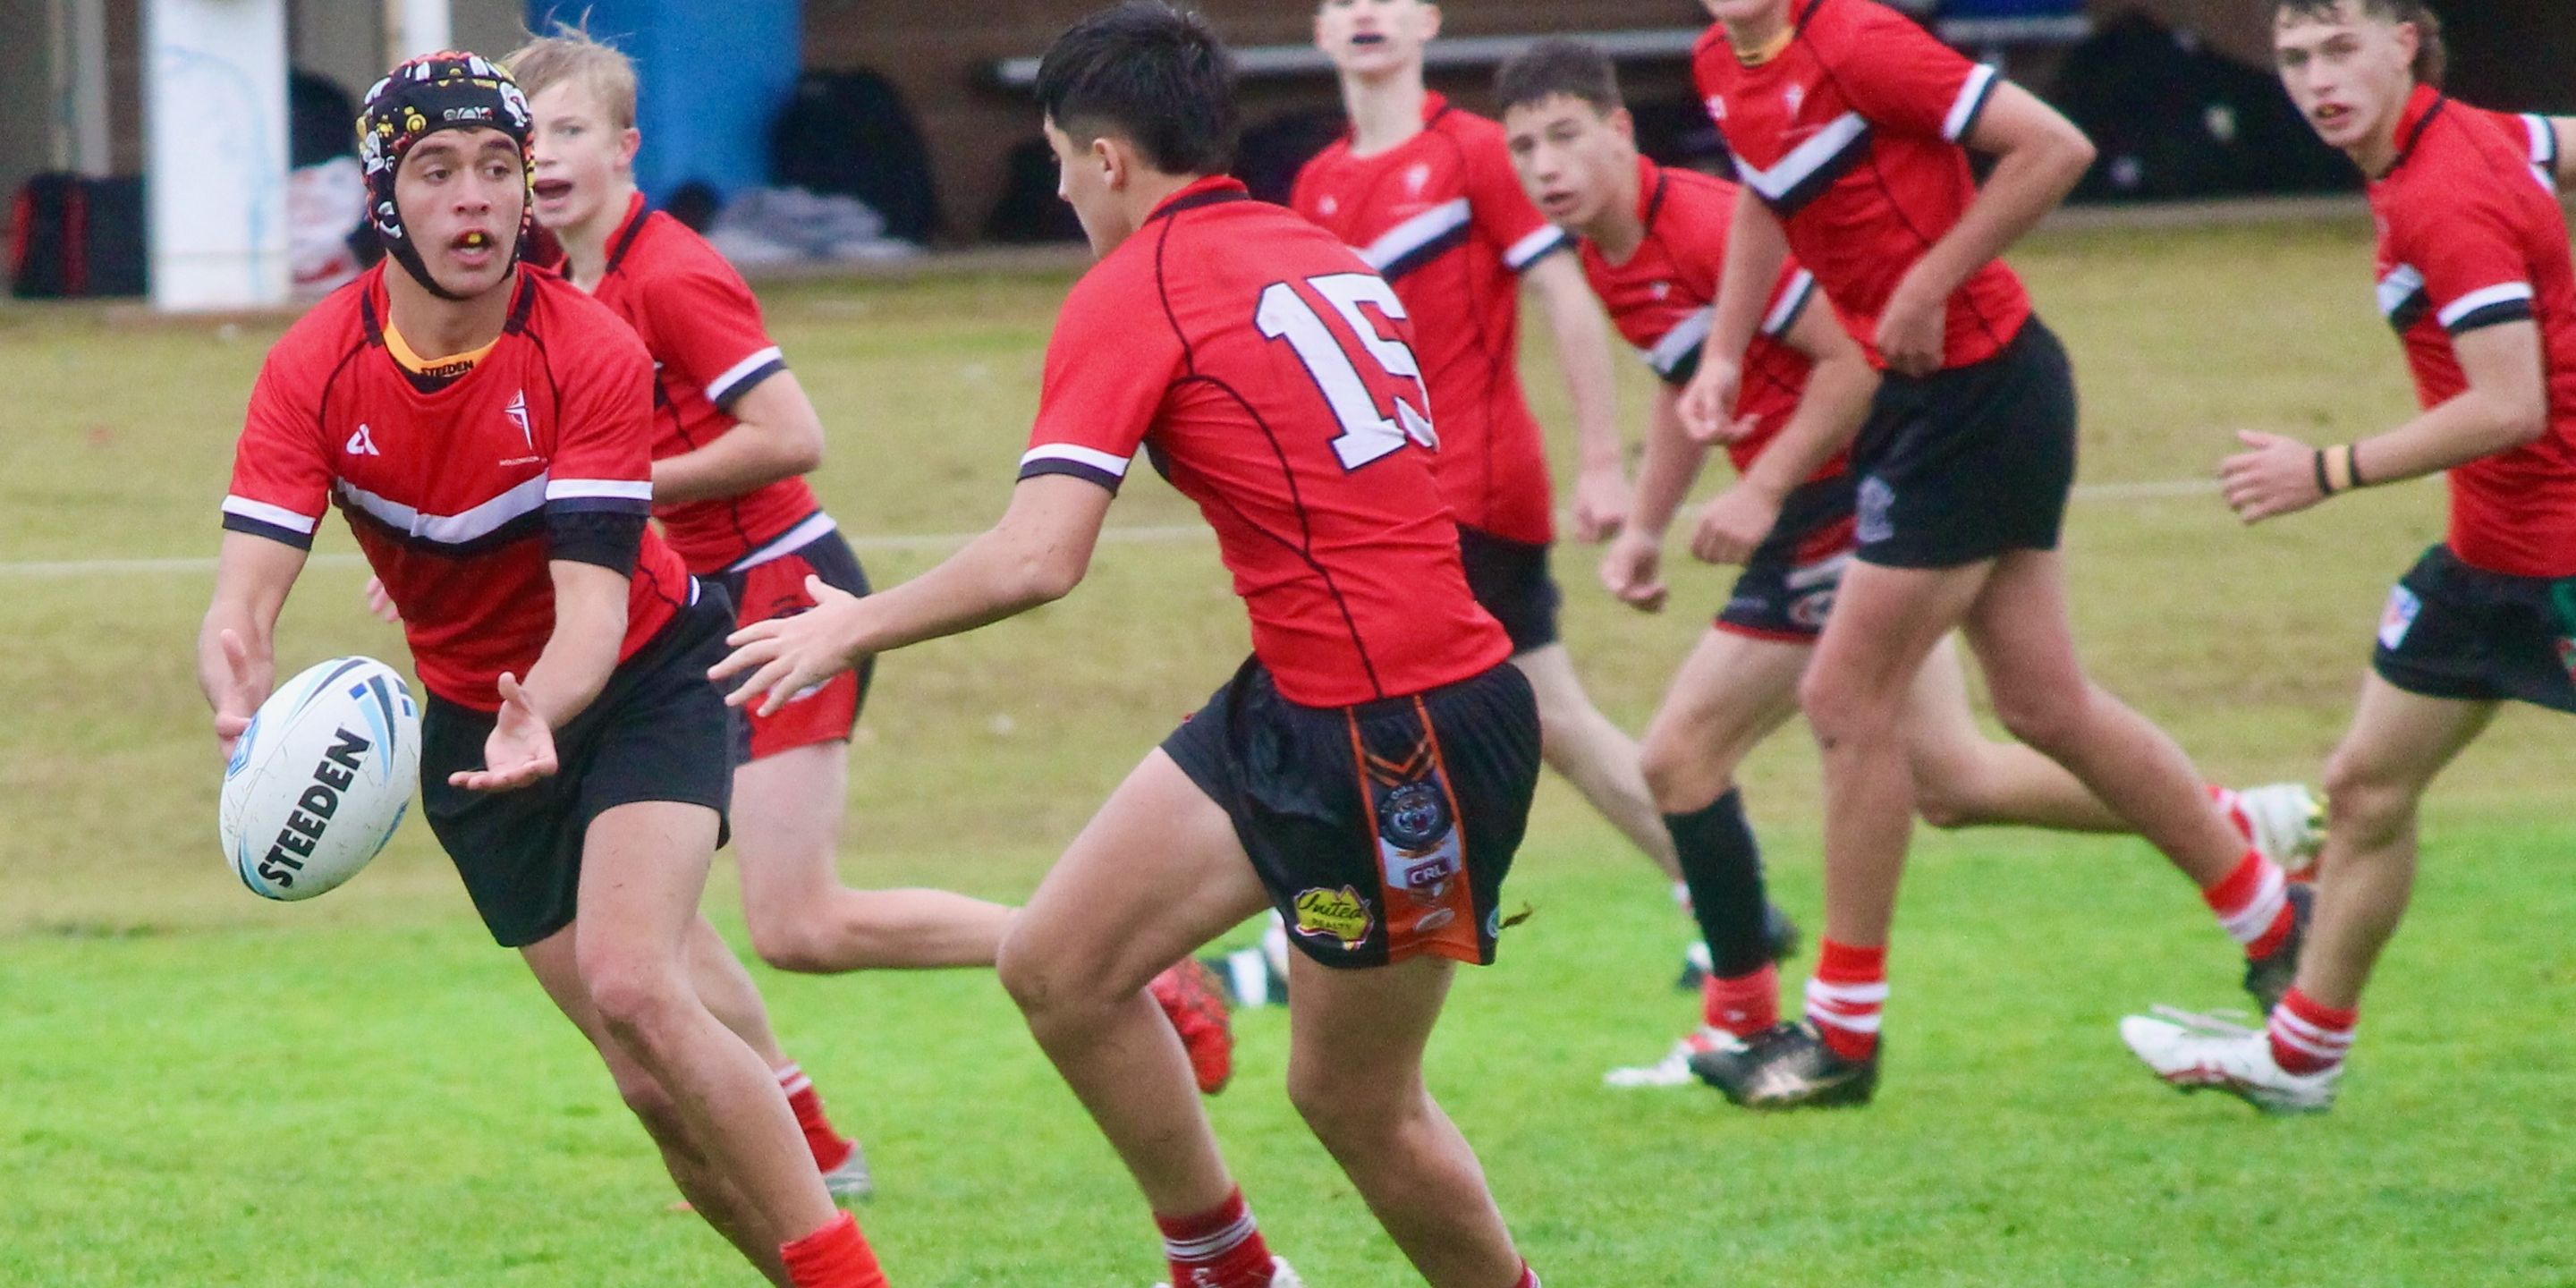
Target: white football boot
x=851, y=1179
x=1280, y=1275
x=1674, y=1069
x=2285, y=821
x=2193, y=1052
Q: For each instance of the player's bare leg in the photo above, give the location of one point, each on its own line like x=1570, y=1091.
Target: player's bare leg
x=643, y=870
x=1962, y=778
x=2398, y=743
x=787, y=815
x=729, y=994
x=1155, y=874
x=707, y=1192
x=1355, y=1074
x=1600, y=760
x=2018, y=627
x=1732, y=692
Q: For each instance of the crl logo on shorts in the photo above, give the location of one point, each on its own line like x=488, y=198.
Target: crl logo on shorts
x=2395, y=620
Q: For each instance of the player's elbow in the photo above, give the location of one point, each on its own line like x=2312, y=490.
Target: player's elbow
x=1050, y=574
x=2522, y=419
x=797, y=447
x=2069, y=153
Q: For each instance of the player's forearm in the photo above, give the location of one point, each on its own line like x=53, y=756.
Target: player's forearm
x=1583, y=354
x=2475, y=425
x=2565, y=171
x=746, y=457
x=1671, y=466
x=581, y=653
x=1756, y=249
x=2028, y=182
x=252, y=578
x=1829, y=415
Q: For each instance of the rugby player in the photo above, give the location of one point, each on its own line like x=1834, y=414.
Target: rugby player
x=1653, y=245
x=1851, y=127
x=1366, y=773
x=2474, y=276
x=487, y=432
x=1424, y=192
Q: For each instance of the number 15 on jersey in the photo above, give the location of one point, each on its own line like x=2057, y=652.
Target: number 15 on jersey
x=1368, y=433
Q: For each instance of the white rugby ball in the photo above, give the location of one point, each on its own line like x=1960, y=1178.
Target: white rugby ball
x=321, y=779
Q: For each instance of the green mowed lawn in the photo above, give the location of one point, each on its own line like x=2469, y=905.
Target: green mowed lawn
x=200, y=1088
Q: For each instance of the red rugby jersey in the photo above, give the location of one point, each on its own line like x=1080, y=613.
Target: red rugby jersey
x=1267, y=373
x=1851, y=136
x=703, y=327
x=1663, y=300
x=449, y=492
x=2470, y=235
x=1442, y=217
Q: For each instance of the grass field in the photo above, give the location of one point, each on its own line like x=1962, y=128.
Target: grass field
x=199, y=1088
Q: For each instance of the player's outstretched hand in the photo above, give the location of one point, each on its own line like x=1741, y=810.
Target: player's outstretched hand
x=787, y=655
x=381, y=603
x=240, y=697
x=520, y=750
x=1707, y=404
x=1733, y=524
x=1726, y=431
x=1631, y=570
x=1912, y=331
x=1600, y=503
x=2273, y=476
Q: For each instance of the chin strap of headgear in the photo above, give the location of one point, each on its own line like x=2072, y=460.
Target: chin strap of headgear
x=442, y=91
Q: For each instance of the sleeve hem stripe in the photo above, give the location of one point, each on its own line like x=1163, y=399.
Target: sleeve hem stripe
x=1071, y=469
x=2476, y=303
x=1074, y=453
x=1792, y=305
x=256, y=528
x=722, y=387
x=276, y=516
x=1971, y=103
x=1535, y=247
x=2492, y=315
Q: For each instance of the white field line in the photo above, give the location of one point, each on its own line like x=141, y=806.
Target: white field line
x=1149, y=534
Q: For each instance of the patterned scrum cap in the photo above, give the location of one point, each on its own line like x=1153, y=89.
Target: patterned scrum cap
x=441, y=91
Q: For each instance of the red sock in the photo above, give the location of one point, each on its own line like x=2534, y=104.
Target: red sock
x=1528, y=1279
x=836, y=1256
x=1744, y=1005
x=1218, y=1248
x=830, y=1147
x=2252, y=905
x=1844, y=998
x=2308, y=1038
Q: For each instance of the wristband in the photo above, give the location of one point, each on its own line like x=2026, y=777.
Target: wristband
x=2352, y=464
x=2324, y=486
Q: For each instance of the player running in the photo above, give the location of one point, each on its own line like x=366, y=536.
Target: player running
x=1653, y=245
x=734, y=434
x=2474, y=275
x=1851, y=127
x=1367, y=773
x=1425, y=193
x=500, y=491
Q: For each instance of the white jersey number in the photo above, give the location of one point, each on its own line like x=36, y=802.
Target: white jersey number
x=1366, y=433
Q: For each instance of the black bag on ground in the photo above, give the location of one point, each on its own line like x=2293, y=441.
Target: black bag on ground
x=76, y=237
x=850, y=133
x=1029, y=210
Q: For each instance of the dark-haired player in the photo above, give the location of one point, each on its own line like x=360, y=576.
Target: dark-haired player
x=734, y=434
x=1423, y=191
x=2474, y=275
x=1367, y=773
x=1851, y=127
x=487, y=433
x=1653, y=245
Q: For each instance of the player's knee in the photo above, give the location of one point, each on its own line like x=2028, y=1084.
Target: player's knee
x=645, y=1098
x=1840, y=708
x=2045, y=720
x=1049, y=992
x=1940, y=803
x=639, y=999
x=1679, y=781
x=794, y=944
x=2364, y=803
x=1339, y=1108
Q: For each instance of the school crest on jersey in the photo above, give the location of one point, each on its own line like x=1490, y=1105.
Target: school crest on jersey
x=517, y=411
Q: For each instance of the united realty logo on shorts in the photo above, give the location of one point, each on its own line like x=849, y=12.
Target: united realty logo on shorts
x=1342, y=914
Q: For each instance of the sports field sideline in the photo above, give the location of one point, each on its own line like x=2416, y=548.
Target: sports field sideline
x=199, y=1088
